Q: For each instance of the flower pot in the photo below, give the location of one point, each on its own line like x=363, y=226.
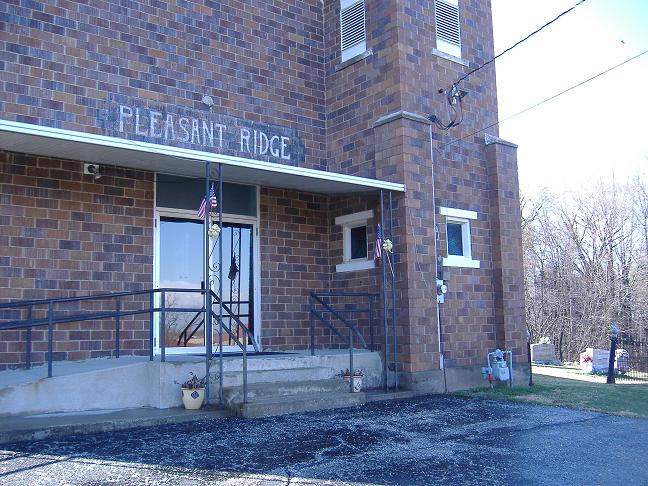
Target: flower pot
x=357, y=383
x=193, y=398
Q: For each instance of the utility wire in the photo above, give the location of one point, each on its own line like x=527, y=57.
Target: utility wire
x=518, y=42
x=545, y=100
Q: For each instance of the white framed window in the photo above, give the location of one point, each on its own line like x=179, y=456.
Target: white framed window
x=355, y=242
x=458, y=238
x=353, y=32
x=446, y=20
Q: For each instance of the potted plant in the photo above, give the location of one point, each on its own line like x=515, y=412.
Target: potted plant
x=193, y=392
x=357, y=378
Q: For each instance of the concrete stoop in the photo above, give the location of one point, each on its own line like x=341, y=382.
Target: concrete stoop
x=116, y=384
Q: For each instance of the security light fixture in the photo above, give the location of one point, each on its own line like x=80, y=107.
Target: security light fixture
x=93, y=170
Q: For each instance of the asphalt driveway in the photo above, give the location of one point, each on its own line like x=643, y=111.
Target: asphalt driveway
x=427, y=440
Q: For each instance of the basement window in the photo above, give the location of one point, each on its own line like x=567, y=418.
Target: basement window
x=355, y=242
x=353, y=33
x=446, y=20
x=458, y=238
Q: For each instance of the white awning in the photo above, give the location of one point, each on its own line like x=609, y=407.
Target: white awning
x=99, y=149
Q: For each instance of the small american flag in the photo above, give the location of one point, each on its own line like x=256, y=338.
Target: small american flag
x=212, y=198
x=202, y=210
x=378, y=244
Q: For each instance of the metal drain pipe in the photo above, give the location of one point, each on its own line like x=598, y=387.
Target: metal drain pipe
x=436, y=267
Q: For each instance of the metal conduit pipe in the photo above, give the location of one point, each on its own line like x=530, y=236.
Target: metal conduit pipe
x=436, y=264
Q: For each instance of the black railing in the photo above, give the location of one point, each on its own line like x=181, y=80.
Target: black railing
x=41, y=313
x=319, y=298
x=631, y=358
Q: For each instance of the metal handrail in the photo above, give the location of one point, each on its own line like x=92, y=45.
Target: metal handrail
x=52, y=320
x=337, y=314
x=318, y=297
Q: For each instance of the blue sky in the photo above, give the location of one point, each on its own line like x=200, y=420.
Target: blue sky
x=597, y=131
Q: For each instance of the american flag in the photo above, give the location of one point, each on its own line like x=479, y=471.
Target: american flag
x=202, y=210
x=212, y=198
x=378, y=244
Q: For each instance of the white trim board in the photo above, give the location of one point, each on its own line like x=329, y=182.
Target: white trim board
x=457, y=213
x=460, y=261
x=352, y=218
x=58, y=142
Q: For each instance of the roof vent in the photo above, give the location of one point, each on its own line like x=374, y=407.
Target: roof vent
x=352, y=28
x=446, y=17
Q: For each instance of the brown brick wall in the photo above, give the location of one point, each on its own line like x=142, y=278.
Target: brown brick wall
x=507, y=248
x=294, y=262
x=275, y=62
x=62, y=234
x=403, y=74
x=300, y=246
x=399, y=153
x=367, y=281
x=261, y=61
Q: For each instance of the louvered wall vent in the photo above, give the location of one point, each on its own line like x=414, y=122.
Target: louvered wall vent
x=446, y=16
x=352, y=28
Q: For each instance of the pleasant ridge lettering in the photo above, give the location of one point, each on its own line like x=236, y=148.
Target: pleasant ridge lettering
x=204, y=131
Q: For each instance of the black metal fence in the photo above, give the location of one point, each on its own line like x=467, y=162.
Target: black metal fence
x=631, y=358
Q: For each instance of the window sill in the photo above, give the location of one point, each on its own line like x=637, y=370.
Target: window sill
x=459, y=261
x=449, y=57
x=355, y=266
x=353, y=60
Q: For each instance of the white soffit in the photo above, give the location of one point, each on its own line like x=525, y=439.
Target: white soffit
x=100, y=149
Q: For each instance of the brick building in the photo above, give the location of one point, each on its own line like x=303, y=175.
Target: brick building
x=309, y=110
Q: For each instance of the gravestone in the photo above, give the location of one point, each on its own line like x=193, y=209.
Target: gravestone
x=543, y=353
x=599, y=362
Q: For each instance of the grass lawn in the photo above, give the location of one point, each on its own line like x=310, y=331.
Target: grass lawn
x=627, y=400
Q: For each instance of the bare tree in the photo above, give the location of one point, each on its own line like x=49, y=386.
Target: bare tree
x=586, y=265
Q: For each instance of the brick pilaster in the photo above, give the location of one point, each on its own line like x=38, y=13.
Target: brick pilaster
x=508, y=276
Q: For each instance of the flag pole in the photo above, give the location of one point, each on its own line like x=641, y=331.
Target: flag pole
x=220, y=283
x=207, y=288
x=384, y=289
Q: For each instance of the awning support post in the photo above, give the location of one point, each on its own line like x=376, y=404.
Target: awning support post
x=393, y=291
x=384, y=290
x=207, y=285
x=220, y=285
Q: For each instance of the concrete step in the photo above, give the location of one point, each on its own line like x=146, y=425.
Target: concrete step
x=286, y=404
x=273, y=375
x=263, y=391
x=307, y=402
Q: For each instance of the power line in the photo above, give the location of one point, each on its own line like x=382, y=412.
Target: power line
x=545, y=100
x=519, y=42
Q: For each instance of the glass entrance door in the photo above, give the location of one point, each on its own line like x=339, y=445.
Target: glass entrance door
x=180, y=265
x=237, y=282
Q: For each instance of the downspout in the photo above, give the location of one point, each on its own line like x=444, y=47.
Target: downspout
x=436, y=268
